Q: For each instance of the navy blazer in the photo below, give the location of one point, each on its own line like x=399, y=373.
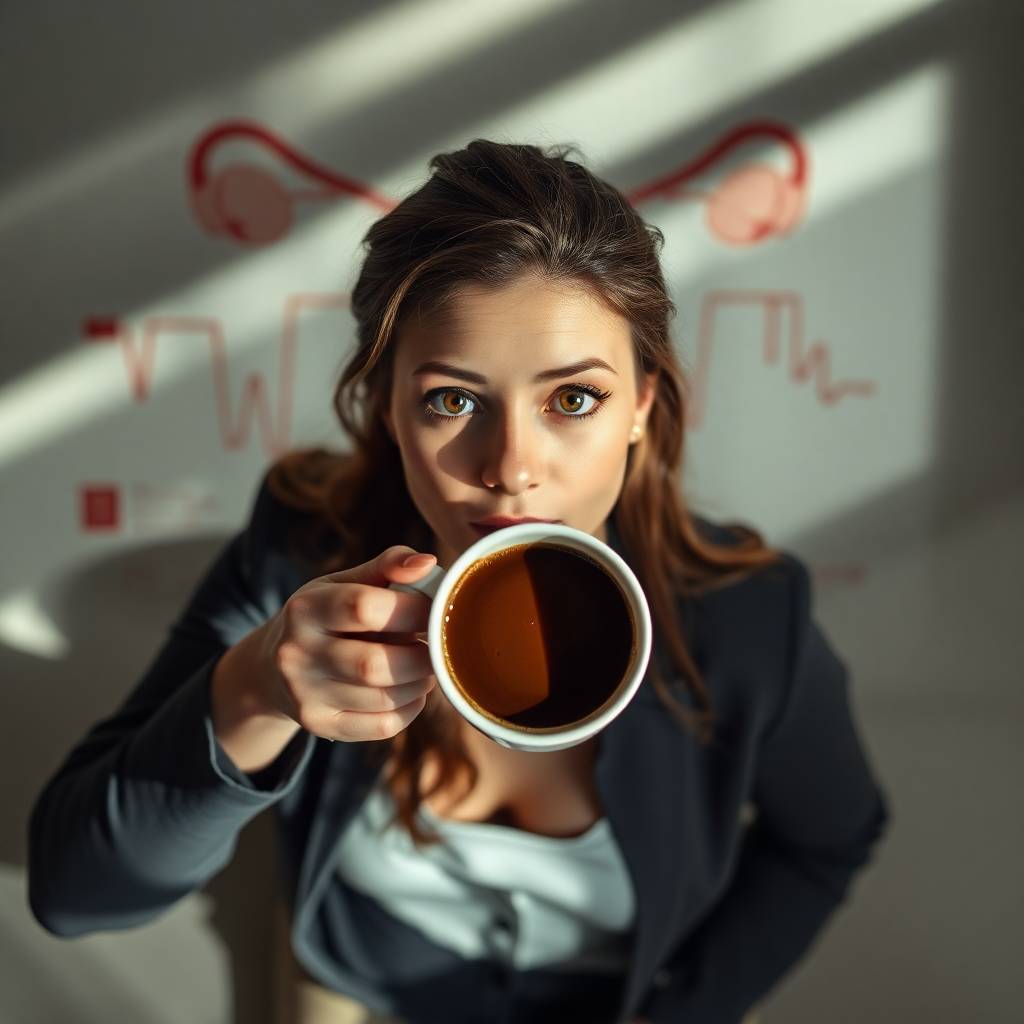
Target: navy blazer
x=738, y=852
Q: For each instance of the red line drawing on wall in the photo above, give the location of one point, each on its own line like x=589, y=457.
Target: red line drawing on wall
x=752, y=202
x=839, y=574
x=140, y=359
x=814, y=360
x=99, y=507
x=246, y=203
x=142, y=507
x=804, y=361
x=157, y=507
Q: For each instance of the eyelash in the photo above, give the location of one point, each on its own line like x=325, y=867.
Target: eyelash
x=588, y=389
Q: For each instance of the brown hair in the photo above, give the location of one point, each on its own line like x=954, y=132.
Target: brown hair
x=488, y=214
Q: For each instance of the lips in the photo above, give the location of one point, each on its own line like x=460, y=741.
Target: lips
x=492, y=523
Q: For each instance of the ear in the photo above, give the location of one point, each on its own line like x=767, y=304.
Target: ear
x=645, y=400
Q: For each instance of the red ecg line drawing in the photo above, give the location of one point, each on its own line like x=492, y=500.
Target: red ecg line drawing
x=803, y=362
x=140, y=360
x=244, y=202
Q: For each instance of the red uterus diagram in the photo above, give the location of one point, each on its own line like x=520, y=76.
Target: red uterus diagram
x=749, y=205
x=249, y=205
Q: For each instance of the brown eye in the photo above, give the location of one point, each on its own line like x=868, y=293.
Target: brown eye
x=571, y=401
x=448, y=404
x=453, y=402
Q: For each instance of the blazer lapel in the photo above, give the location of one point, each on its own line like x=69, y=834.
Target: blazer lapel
x=638, y=777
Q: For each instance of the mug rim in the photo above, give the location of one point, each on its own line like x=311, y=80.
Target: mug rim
x=554, y=737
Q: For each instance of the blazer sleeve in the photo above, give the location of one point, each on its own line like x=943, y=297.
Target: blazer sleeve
x=147, y=806
x=819, y=814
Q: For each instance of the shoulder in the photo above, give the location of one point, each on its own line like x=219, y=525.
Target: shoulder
x=275, y=538
x=743, y=634
x=298, y=488
x=761, y=582
x=268, y=516
x=714, y=531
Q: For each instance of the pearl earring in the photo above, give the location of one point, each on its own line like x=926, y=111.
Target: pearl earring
x=635, y=434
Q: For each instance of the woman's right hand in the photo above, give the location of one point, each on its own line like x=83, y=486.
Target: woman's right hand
x=338, y=658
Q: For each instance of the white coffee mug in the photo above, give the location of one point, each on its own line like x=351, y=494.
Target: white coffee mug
x=438, y=583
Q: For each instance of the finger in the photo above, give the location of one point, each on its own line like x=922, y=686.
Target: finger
x=365, y=608
x=368, y=663
x=388, y=567
x=356, y=726
x=344, y=697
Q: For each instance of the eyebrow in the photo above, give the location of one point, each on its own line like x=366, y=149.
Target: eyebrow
x=476, y=378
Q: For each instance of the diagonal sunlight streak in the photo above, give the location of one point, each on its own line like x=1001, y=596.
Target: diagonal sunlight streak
x=711, y=60
x=65, y=394
x=842, y=166
x=26, y=626
x=314, y=85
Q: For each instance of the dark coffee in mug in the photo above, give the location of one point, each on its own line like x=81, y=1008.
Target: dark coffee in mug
x=538, y=636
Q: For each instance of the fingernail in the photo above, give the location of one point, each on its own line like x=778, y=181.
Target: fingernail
x=417, y=561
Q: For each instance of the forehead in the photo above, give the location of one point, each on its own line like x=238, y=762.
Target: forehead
x=524, y=322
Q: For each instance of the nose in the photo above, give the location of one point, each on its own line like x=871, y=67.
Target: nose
x=512, y=462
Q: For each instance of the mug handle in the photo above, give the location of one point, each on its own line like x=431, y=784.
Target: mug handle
x=426, y=586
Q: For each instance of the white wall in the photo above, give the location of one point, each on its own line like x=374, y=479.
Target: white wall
x=905, y=494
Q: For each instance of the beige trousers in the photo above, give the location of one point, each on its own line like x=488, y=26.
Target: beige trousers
x=301, y=1000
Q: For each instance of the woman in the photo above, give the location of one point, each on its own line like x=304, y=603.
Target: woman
x=513, y=359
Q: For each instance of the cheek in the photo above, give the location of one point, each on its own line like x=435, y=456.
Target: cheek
x=594, y=465
x=594, y=443
x=605, y=467
x=420, y=457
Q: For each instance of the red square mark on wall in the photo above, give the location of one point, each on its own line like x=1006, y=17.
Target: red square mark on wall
x=99, y=506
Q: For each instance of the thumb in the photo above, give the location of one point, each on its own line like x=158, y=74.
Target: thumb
x=407, y=562
x=389, y=567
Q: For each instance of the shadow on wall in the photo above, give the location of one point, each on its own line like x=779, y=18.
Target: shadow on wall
x=115, y=613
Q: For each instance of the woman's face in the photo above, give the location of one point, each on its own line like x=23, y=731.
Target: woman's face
x=503, y=428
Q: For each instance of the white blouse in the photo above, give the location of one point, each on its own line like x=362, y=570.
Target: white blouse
x=495, y=892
